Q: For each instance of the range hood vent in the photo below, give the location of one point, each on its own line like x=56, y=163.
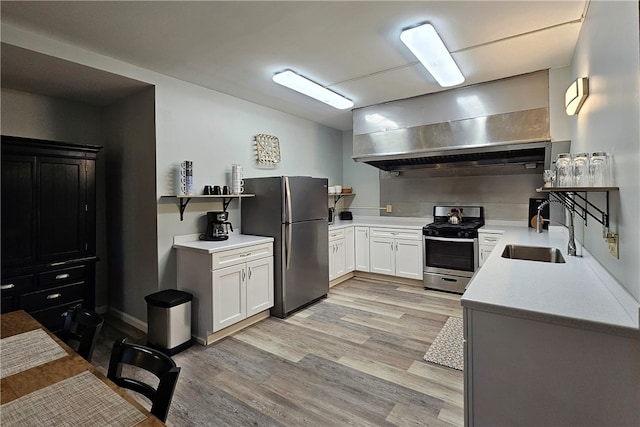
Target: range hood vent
x=525, y=156
x=499, y=139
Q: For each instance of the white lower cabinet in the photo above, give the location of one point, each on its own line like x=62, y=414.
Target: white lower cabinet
x=396, y=252
x=362, y=249
x=487, y=240
x=349, y=250
x=227, y=286
x=337, y=254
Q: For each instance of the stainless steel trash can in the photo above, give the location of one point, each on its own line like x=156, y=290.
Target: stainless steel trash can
x=169, y=320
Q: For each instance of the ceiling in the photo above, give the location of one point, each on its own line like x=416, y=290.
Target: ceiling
x=235, y=47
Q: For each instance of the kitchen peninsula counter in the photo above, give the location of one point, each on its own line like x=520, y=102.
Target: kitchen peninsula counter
x=577, y=293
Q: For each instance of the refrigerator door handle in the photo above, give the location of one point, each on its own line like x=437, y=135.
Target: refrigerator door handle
x=287, y=189
x=288, y=244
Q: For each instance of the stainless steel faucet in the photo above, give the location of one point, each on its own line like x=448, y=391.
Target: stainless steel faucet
x=571, y=245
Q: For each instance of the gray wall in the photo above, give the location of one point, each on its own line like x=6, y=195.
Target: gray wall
x=35, y=116
x=130, y=155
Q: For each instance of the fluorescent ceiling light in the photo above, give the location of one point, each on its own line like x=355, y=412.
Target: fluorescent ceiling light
x=575, y=95
x=305, y=86
x=426, y=45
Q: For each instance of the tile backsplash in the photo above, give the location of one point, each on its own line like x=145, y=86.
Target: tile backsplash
x=504, y=191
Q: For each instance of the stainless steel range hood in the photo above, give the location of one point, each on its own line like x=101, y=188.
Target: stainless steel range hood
x=520, y=137
x=503, y=122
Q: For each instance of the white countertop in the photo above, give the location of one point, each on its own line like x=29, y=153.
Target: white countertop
x=235, y=241
x=578, y=293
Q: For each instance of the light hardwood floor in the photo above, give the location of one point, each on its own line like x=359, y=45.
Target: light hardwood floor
x=354, y=358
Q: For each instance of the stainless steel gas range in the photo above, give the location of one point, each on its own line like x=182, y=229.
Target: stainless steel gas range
x=451, y=247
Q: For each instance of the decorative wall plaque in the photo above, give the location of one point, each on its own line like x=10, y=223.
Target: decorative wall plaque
x=268, y=149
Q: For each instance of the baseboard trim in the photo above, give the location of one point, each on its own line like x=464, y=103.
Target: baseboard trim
x=128, y=319
x=217, y=336
x=341, y=279
x=391, y=279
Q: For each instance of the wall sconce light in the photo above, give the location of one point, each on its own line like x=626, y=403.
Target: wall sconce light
x=575, y=95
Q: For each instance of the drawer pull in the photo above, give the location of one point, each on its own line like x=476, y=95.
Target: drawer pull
x=7, y=286
x=54, y=296
x=245, y=255
x=62, y=276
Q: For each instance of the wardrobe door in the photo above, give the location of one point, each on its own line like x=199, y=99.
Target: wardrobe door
x=18, y=210
x=62, y=197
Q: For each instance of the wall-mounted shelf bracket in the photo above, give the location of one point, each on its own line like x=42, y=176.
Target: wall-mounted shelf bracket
x=183, y=200
x=337, y=197
x=576, y=199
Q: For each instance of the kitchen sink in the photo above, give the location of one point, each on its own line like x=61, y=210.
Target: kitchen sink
x=533, y=253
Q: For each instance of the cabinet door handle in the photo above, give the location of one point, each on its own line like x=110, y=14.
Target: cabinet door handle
x=62, y=276
x=249, y=272
x=7, y=286
x=243, y=275
x=53, y=296
x=396, y=246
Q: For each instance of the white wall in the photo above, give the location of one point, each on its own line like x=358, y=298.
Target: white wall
x=215, y=131
x=608, y=54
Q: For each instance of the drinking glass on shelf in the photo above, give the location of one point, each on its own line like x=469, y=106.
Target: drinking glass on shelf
x=564, y=170
x=599, y=169
x=581, y=170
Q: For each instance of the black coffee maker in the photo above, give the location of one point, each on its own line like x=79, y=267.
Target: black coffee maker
x=217, y=226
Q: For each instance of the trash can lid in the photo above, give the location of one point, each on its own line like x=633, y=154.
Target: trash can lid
x=168, y=298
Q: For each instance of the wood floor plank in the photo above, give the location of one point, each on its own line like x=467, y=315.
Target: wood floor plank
x=404, y=378
x=354, y=358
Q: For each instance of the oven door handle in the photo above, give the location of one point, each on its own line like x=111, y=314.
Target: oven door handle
x=450, y=239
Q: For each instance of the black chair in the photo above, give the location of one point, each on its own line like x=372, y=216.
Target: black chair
x=81, y=329
x=151, y=360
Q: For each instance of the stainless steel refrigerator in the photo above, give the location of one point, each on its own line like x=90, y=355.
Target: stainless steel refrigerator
x=293, y=210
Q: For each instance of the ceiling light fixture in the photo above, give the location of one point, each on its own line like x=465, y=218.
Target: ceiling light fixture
x=305, y=86
x=575, y=95
x=427, y=46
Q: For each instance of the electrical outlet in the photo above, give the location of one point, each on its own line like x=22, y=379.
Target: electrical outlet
x=613, y=243
x=389, y=208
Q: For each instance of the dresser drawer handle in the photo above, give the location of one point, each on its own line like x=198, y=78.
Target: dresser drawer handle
x=63, y=276
x=7, y=286
x=54, y=296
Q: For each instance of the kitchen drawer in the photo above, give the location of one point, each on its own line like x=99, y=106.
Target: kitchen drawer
x=396, y=233
x=336, y=234
x=52, y=296
x=237, y=256
x=53, y=317
x=488, y=239
x=61, y=276
x=17, y=284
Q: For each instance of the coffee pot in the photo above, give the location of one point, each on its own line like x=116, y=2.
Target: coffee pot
x=218, y=226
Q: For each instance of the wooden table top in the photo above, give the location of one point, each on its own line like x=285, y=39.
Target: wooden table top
x=22, y=383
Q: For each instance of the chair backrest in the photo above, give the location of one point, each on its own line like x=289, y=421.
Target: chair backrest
x=81, y=327
x=151, y=360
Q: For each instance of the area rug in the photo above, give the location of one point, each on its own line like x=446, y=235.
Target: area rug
x=447, y=348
